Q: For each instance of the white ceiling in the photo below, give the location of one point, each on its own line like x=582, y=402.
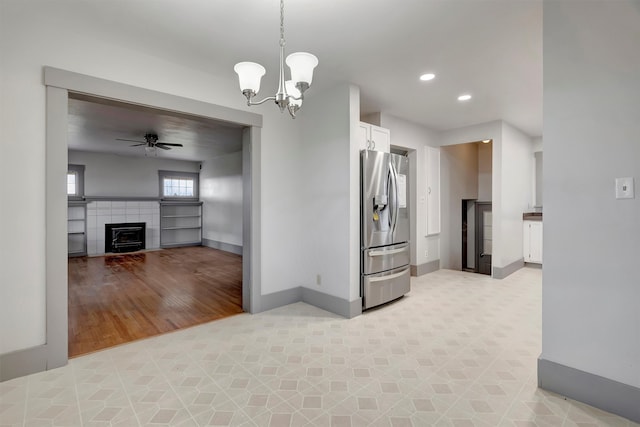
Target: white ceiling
x=96, y=124
x=491, y=49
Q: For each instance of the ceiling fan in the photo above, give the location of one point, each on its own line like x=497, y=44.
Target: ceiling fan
x=151, y=141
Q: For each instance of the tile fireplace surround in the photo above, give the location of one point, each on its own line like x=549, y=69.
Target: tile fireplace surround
x=102, y=212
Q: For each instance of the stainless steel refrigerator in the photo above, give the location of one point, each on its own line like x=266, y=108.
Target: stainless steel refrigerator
x=384, y=227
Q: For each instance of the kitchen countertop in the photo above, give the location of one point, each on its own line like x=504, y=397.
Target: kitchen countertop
x=532, y=216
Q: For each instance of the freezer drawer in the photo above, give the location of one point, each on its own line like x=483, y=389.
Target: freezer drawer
x=385, y=258
x=383, y=287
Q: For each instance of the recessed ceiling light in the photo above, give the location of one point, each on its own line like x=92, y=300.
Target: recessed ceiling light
x=427, y=77
x=486, y=141
x=464, y=97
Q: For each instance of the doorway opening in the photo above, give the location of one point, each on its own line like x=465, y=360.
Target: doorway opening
x=477, y=236
x=60, y=84
x=467, y=174
x=154, y=260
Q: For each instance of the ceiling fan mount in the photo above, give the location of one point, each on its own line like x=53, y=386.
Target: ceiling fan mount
x=151, y=138
x=151, y=141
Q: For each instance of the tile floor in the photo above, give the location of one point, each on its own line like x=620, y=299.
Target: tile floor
x=459, y=350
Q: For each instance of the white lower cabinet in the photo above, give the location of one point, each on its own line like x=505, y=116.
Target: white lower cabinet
x=180, y=224
x=532, y=242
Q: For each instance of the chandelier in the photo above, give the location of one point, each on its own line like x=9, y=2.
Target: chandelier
x=291, y=92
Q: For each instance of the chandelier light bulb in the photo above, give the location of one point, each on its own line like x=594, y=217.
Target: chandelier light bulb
x=301, y=65
x=249, y=75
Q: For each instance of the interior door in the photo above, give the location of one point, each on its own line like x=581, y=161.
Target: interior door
x=484, y=240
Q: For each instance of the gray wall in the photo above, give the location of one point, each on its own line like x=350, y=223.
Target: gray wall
x=113, y=175
x=591, y=286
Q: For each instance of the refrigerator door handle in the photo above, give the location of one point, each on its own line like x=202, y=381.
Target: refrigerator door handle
x=396, y=208
x=392, y=276
x=389, y=252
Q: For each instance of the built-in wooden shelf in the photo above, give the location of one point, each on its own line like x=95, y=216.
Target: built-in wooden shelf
x=77, y=240
x=180, y=223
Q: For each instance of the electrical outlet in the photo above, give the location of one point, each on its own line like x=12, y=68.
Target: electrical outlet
x=426, y=254
x=624, y=188
x=318, y=280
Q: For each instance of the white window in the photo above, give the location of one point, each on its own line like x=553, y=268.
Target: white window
x=75, y=181
x=178, y=185
x=72, y=180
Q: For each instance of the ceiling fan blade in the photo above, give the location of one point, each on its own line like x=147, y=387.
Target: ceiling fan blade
x=130, y=140
x=136, y=145
x=164, y=148
x=173, y=145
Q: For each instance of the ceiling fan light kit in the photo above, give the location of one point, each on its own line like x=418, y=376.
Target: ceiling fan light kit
x=150, y=151
x=291, y=92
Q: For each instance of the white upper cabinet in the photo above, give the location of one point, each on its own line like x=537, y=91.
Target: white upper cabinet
x=374, y=137
x=432, y=162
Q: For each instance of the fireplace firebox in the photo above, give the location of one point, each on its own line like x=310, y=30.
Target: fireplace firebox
x=124, y=237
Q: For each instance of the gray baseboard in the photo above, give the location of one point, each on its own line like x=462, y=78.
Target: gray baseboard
x=603, y=393
x=427, y=267
x=533, y=265
x=339, y=306
x=502, y=272
x=227, y=247
x=278, y=299
x=333, y=304
x=23, y=362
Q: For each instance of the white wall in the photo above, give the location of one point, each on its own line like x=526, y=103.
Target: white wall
x=485, y=171
x=516, y=193
x=416, y=137
x=124, y=176
x=474, y=133
x=459, y=180
x=538, y=144
x=221, y=194
x=47, y=33
x=538, y=169
x=591, y=292
x=324, y=230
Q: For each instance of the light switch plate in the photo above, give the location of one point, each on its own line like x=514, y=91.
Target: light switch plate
x=624, y=188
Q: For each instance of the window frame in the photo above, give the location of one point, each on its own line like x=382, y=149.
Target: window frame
x=79, y=172
x=195, y=176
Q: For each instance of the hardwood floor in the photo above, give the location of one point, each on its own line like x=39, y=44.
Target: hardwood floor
x=120, y=298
